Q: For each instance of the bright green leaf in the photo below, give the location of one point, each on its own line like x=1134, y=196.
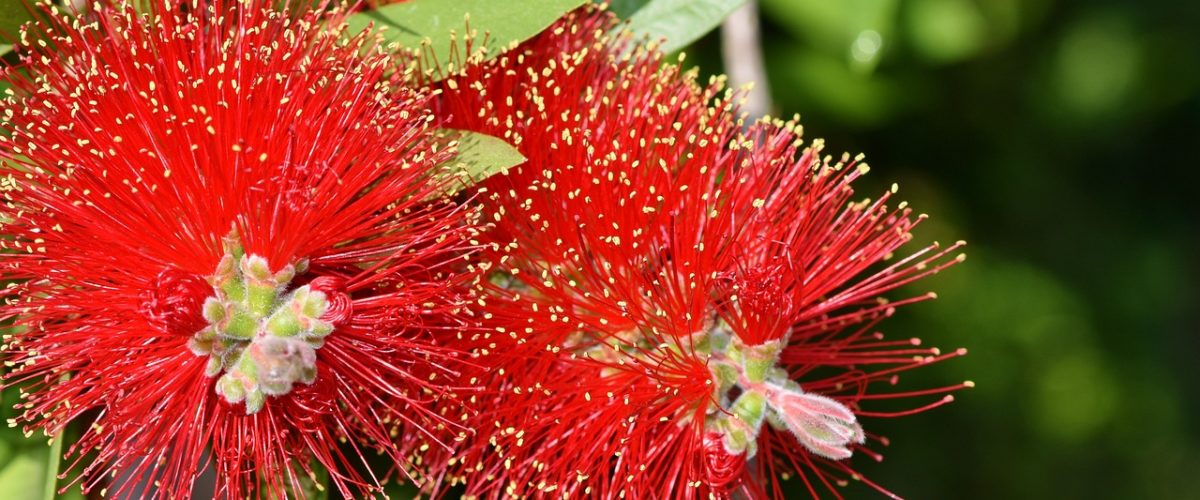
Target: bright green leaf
x=681, y=22
x=411, y=24
x=479, y=156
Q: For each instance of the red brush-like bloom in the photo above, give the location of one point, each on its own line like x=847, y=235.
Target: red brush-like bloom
x=684, y=309
x=221, y=254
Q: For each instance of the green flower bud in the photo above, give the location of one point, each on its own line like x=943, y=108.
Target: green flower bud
x=260, y=341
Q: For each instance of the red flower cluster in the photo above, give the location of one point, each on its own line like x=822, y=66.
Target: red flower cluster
x=687, y=309
x=228, y=248
x=220, y=251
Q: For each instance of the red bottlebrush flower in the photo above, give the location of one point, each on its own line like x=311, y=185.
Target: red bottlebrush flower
x=684, y=309
x=220, y=251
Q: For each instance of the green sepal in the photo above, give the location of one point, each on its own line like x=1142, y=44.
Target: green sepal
x=711, y=341
x=751, y=408
x=214, y=310
x=255, y=400
x=256, y=268
x=201, y=344
x=213, y=367
x=261, y=298
x=232, y=245
x=758, y=360
x=283, y=323
x=319, y=329
x=231, y=388
x=727, y=376
x=240, y=325
x=312, y=304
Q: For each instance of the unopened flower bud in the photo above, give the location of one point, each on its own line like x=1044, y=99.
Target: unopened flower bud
x=281, y=362
x=824, y=426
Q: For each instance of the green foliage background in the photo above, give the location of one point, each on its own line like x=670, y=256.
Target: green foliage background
x=1059, y=138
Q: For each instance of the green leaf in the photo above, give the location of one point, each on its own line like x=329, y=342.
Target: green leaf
x=13, y=14
x=626, y=8
x=479, y=156
x=681, y=22
x=434, y=22
x=50, y=492
x=400, y=491
x=21, y=477
x=316, y=486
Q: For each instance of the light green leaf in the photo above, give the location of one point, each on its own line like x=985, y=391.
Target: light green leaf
x=21, y=478
x=434, y=22
x=479, y=156
x=681, y=22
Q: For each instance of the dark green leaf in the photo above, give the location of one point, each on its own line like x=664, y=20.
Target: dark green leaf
x=479, y=156
x=315, y=486
x=401, y=491
x=681, y=22
x=411, y=24
x=13, y=14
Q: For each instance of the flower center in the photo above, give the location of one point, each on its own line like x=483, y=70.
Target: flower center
x=261, y=338
x=753, y=390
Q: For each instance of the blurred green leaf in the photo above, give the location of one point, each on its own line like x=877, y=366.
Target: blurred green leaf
x=946, y=30
x=823, y=83
x=401, y=491
x=315, y=486
x=13, y=14
x=833, y=26
x=681, y=22
x=625, y=8
x=50, y=491
x=1097, y=66
x=479, y=156
x=21, y=478
x=437, y=27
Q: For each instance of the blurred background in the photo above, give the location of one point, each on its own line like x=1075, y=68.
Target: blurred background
x=1057, y=138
